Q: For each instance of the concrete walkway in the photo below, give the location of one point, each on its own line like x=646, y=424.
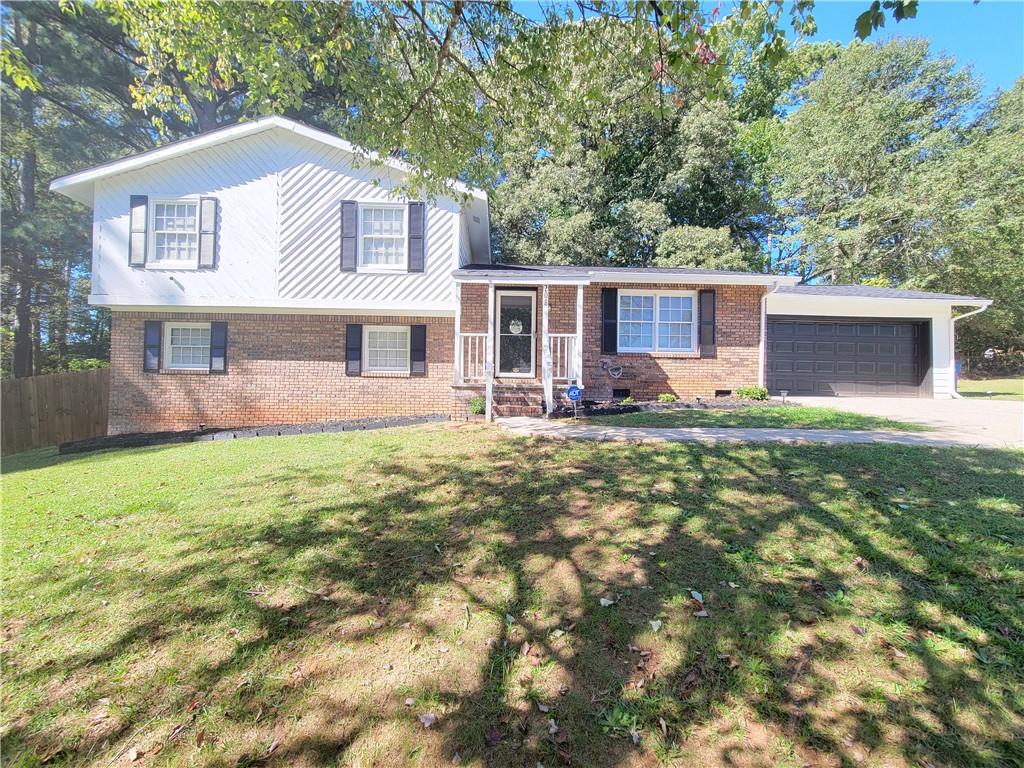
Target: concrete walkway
x=563, y=429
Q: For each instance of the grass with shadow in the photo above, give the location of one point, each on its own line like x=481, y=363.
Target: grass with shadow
x=316, y=600
x=992, y=389
x=756, y=417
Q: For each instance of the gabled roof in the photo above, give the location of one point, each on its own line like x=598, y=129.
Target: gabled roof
x=78, y=186
x=876, y=292
x=535, y=274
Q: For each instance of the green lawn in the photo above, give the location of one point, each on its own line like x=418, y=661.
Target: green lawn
x=782, y=417
x=307, y=600
x=992, y=389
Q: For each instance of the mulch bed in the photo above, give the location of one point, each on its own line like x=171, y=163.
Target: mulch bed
x=141, y=439
x=592, y=408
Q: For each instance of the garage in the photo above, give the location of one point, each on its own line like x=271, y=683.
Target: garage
x=855, y=356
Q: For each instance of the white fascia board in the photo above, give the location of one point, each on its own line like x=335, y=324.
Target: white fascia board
x=519, y=280
x=696, y=278
x=79, y=186
x=270, y=306
x=871, y=306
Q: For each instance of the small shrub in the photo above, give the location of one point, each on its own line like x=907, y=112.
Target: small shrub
x=627, y=400
x=477, y=405
x=667, y=397
x=752, y=393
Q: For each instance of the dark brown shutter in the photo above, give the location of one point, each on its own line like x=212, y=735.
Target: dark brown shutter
x=609, y=321
x=708, y=341
x=349, y=235
x=417, y=230
x=207, y=232
x=219, y=347
x=151, y=346
x=137, y=226
x=418, y=350
x=353, y=349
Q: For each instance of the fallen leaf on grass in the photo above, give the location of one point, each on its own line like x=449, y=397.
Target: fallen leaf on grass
x=552, y=727
x=730, y=660
x=664, y=727
x=492, y=736
x=410, y=701
x=135, y=754
x=634, y=735
x=543, y=707
x=428, y=719
x=655, y=625
x=859, y=631
x=605, y=602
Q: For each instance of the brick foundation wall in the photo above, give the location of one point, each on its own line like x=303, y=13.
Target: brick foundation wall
x=281, y=369
x=647, y=375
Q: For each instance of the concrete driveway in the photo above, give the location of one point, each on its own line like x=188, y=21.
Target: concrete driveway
x=989, y=423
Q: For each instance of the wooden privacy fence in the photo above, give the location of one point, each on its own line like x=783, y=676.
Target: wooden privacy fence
x=46, y=410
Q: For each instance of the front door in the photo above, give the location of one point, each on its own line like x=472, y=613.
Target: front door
x=515, y=333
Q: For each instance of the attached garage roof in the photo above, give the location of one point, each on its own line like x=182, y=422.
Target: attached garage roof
x=875, y=292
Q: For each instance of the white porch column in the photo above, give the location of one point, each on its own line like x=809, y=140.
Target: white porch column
x=489, y=354
x=549, y=403
x=578, y=361
x=457, y=377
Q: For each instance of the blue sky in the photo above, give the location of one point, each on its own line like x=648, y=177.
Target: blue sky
x=988, y=35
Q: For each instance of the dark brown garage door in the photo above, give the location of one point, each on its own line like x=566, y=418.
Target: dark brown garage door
x=849, y=356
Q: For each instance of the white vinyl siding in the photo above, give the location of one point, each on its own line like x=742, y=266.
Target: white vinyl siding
x=186, y=346
x=174, y=233
x=651, y=321
x=386, y=348
x=382, y=233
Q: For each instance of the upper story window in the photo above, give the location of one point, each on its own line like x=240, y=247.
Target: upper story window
x=174, y=234
x=382, y=237
x=652, y=321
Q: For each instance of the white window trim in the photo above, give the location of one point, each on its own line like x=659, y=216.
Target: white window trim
x=408, y=349
x=151, y=262
x=165, y=352
x=389, y=268
x=694, y=325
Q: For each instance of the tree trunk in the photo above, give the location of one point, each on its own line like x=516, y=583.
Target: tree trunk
x=23, y=336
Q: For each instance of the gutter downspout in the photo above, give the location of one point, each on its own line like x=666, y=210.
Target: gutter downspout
x=952, y=342
x=762, y=348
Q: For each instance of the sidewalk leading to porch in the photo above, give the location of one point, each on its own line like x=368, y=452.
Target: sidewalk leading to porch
x=560, y=429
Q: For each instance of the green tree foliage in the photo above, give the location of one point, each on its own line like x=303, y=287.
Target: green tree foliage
x=634, y=166
x=867, y=125
x=975, y=200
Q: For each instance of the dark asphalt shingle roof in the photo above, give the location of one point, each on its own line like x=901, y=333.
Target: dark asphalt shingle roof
x=870, y=291
x=500, y=270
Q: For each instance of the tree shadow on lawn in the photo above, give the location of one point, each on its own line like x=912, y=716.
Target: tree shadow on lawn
x=866, y=620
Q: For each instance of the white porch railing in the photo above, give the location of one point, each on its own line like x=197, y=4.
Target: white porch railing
x=472, y=359
x=563, y=356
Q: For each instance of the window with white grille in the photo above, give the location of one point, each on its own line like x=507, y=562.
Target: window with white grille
x=174, y=235
x=382, y=230
x=656, y=321
x=187, y=346
x=386, y=348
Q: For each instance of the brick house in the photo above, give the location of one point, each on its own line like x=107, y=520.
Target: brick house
x=270, y=272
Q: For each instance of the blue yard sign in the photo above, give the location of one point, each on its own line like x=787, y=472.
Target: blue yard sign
x=574, y=393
